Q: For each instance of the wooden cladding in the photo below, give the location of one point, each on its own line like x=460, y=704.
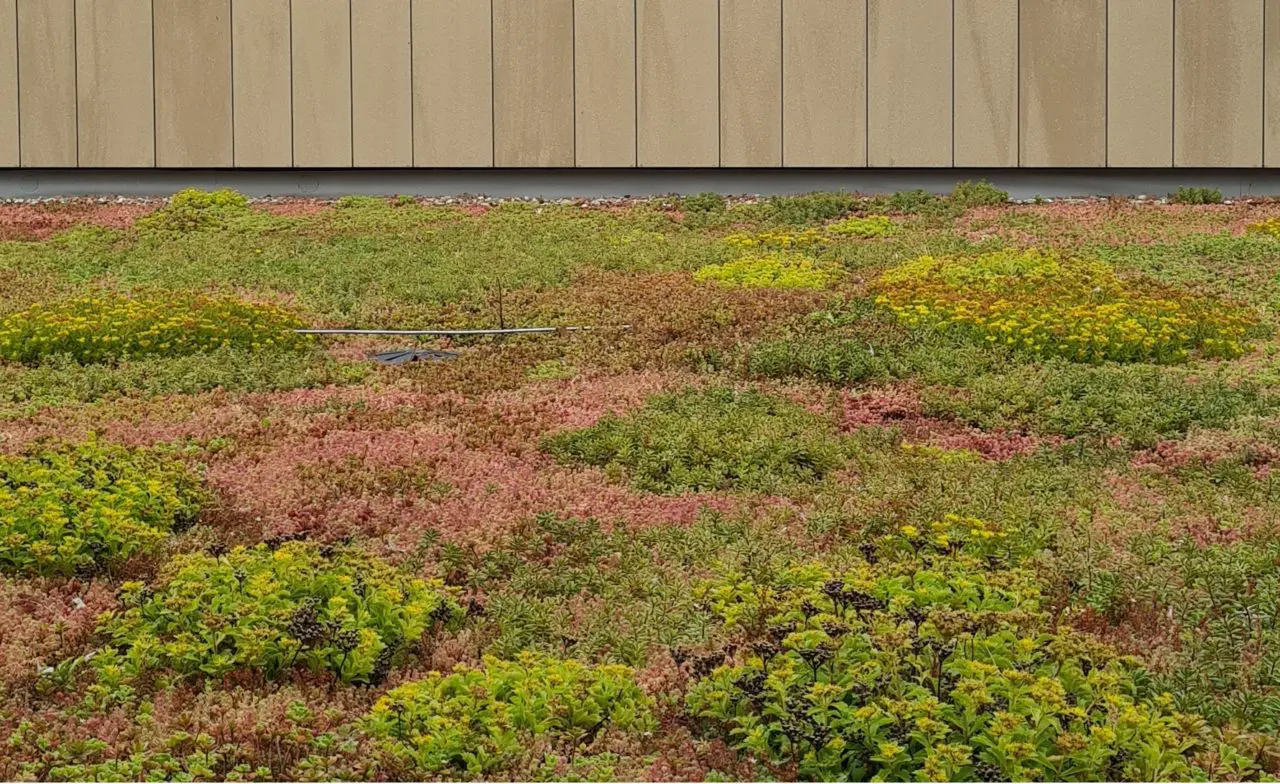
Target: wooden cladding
x=639, y=83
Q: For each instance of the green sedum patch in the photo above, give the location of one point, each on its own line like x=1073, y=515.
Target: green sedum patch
x=477, y=721
x=717, y=439
x=62, y=382
x=862, y=228
x=331, y=609
x=89, y=507
x=933, y=660
x=193, y=210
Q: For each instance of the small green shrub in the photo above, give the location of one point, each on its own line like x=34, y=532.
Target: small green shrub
x=89, y=507
x=478, y=721
x=912, y=202
x=330, y=608
x=978, y=194
x=108, y=326
x=862, y=228
x=1140, y=403
x=809, y=208
x=61, y=381
x=193, y=210
x=930, y=661
x=1196, y=196
x=773, y=270
x=1224, y=598
x=831, y=359
x=716, y=439
x=363, y=202
x=704, y=202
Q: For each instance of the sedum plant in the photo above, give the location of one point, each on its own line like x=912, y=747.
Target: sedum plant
x=1269, y=227
x=107, y=327
x=862, y=228
x=333, y=609
x=89, y=507
x=476, y=721
x=192, y=210
x=773, y=270
x=1081, y=310
x=931, y=660
x=716, y=439
x=776, y=240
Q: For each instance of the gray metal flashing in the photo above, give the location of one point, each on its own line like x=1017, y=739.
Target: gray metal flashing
x=1022, y=184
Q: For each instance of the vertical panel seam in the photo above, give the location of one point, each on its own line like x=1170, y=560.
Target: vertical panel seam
x=493, y=86
x=1173, y=119
x=635, y=76
x=75, y=59
x=17, y=79
x=866, y=83
x=782, y=84
x=293, y=130
x=1107, y=57
x=351, y=75
x=719, y=84
x=155, y=99
x=413, y=140
x=1018, y=97
x=953, y=84
x=573, y=74
x=231, y=85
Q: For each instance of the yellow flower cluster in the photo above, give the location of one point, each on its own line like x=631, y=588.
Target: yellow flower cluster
x=1077, y=309
x=1270, y=227
x=774, y=270
x=862, y=228
x=108, y=326
x=954, y=530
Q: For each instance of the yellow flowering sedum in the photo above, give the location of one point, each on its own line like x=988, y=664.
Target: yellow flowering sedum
x=775, y=270
x=1081, y=310
x=108, y=326
x=863, y=228
x=1270, y=227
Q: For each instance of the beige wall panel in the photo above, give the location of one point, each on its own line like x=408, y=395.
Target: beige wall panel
x=824, y=53
x=1218, y=83
x=322, y=83
x=1140, y=83
x=382, y=82
x=8, y=83
x=605, y=82
x=986, y=62
x=909, y=82
x=1271, y=140
x=193, y=83
x=115, y=88
x=452, y=83
x=533, y=82
x=47, y=82
x=750, y=83
x=679, y=88
x=1064, y=82
x=263, y=99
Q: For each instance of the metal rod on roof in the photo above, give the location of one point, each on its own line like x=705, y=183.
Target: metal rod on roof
x=454, y=332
